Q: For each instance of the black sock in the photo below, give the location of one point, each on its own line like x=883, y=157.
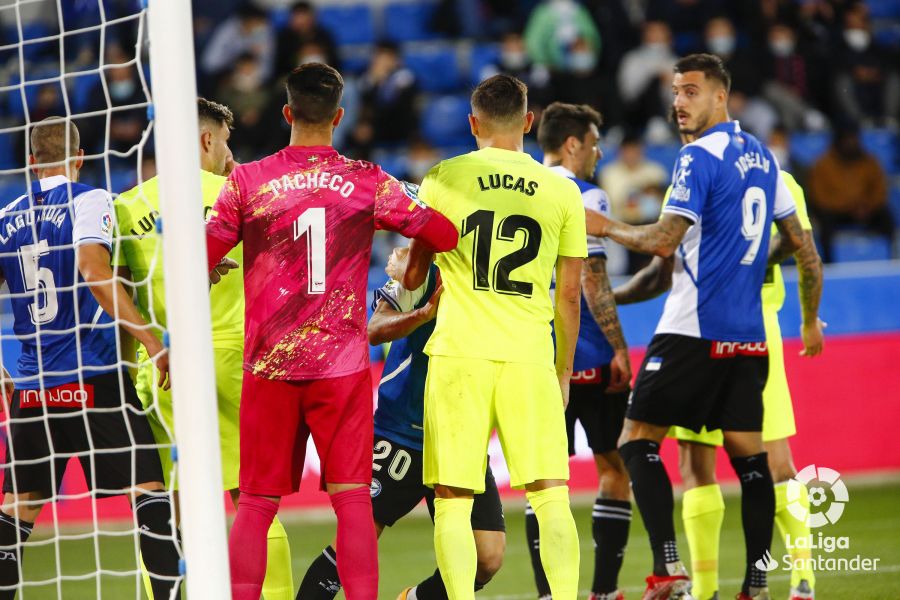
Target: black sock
x=533, y=534
x=321, y=581
x=757, y=513
x=432, y=588
x=12, y=533
x=611, y=520
x=653, y=494
x=159, y=548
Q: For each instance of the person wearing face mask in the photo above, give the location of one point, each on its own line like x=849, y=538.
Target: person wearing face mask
x=791, y=80
x=645, y=74
x=303, y=29
x=867, y=88
x=848, y=187
x=554, y=31
x=514, y=60
x=244, y=92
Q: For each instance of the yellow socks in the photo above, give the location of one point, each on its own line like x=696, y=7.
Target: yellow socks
x=560, y=553
x=279, y=582
x=454, y=546
x=788, y=524
x=702, y=512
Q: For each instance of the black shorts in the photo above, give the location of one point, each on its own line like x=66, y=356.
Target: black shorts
x=600, y=414
x=693, y=383
x=122, y=448
x=397, y=488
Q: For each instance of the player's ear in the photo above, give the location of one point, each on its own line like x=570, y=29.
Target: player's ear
x=288, y=115
x=474, y=124
x=529, y=121
x=205, y=140
x=32, y=161
x=338, y=116
x=79, y=159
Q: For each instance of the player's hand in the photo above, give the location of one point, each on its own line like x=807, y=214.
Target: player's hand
x=7, y=387
x=813, y=336
x=595, y=223
x=619, y=372
x=221, y=269
x=396, y=266
x=564, y=388
x=160, y=357
x=429, y=311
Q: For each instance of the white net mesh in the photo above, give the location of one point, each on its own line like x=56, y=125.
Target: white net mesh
x=84, y=60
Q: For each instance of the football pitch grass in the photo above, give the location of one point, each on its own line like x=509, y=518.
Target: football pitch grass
x=871, y=521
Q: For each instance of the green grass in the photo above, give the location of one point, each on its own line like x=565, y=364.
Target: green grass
x=871, y=520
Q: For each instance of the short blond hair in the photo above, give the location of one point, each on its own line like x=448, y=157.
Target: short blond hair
x=48, y=140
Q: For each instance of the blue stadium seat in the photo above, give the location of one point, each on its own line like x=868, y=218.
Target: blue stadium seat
x=859, y=246
x=349, y=24
x=393, y=163
x=409, y=21
x=883, y=144
x=665, y=154
x=482, y=56
x=886, y=9
x=445, y=121
x=807, y=147
x=80, y=89
x=894, y=203
x=534, y=150
x=436, y=69
x=8, y=159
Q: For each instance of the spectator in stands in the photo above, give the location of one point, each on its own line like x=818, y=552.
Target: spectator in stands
x=791, y=80
x=779, y=142
x=419, y=160
x=745, y=102
x=867, y=85
x=553, y=33
x=515, y=60
x=388, y=94
x=626, y=178
x=645, y=80
x=247, y=32
x=303, y=29
x=245, y=92
x=847, y=186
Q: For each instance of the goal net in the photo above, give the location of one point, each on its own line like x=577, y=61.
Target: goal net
x=75, y=433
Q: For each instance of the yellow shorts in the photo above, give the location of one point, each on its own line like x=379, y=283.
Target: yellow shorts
x=466, y=399
x=229, y=377
x=778, y=411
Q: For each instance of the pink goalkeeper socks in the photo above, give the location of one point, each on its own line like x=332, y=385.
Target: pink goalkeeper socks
x=247, y=545
x=357, y=545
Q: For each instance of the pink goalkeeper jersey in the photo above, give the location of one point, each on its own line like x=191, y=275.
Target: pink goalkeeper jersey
x=306, y=216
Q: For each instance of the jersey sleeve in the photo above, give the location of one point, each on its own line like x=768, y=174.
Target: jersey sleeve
x=400, y=298
x=399, y=208
x=784, y=199
x=596, y=199
x=93, y=221
x=223, y=229
x=123, y=225
x=573, y=235
x=691, y=183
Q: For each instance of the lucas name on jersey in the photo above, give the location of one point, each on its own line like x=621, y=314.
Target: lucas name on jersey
x=496, y=181
x=311, y=181
x=51, y=214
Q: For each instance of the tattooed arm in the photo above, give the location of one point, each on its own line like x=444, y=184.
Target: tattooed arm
x=809, y=286
x=788, y=240
x=648, y=283
x=599, y=296
x=660, y=238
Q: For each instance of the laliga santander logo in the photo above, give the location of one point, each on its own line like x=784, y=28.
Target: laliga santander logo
x=818, y=496
x=767, y=563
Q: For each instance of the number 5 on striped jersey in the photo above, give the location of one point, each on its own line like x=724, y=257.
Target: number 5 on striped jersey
x=312, y=224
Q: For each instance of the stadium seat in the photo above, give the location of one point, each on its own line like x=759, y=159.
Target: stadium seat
x=409, y=21
x=436, y=69
x=482, y=56
x=445, y=121
x=349, y=24
x=860, y=246
x=534, y=150
x=664, y=154
x=80, y=89
x=393, y=163
x=883, y=144
x=8, y=159
x=894, y=202
x=807, y=147
x=884, y=9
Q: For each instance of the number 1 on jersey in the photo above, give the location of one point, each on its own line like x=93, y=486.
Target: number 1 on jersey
x=312, y=224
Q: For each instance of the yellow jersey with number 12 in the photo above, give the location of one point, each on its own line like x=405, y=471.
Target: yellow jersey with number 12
x=515, y=217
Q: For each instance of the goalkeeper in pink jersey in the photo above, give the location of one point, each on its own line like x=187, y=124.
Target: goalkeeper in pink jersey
x=306, y=216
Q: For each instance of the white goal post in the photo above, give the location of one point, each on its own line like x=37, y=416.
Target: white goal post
x=174, y=92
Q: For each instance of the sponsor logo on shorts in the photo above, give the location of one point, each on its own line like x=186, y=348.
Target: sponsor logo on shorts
x=732, y=349
x=374, y=488
x=70, y=395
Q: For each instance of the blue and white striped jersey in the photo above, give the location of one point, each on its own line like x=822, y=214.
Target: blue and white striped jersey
x=729, y=186
x=592, y=349
x=61, y=326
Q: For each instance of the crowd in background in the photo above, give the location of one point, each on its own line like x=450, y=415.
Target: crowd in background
x=819, y=74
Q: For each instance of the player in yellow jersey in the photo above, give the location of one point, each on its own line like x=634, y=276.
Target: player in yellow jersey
x=491, y=353
x=140, y=259
x=703, y=507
